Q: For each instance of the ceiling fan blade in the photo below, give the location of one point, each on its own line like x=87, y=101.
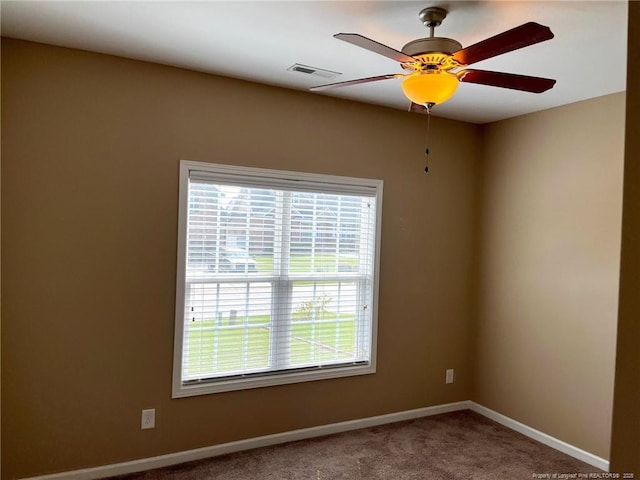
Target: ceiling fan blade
x=522, y=36
x=356, y=82
x=507, y=80
x=376, y=47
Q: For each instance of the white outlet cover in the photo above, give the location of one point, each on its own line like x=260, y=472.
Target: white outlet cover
x=148, y=419
x=449, y=376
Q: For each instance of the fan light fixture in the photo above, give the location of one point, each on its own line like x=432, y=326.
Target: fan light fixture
x=436, y=65
x=430, y=86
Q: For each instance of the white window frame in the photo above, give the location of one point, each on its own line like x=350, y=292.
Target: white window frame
x=372, y=187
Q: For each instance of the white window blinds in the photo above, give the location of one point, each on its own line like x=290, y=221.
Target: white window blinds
x=277, y=275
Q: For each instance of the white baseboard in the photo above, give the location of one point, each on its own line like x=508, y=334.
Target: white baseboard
x=291, y=436
x=222, y=449
x=541, y=437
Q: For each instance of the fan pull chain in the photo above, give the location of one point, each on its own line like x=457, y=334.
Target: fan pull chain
x=426, y=151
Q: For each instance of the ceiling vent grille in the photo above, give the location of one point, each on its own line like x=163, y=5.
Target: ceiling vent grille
x=316, y=72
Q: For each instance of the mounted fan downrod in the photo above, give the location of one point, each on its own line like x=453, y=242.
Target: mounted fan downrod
x=435, y=65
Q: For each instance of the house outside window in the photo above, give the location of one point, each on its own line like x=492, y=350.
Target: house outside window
x=277, y=277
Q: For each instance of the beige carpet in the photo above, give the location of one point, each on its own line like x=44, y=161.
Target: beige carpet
x=459, y=445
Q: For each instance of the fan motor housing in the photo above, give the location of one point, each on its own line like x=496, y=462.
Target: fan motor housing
x=422, y=46
x=432, y=51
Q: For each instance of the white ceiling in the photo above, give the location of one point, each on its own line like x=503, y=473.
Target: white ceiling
x=259, y=40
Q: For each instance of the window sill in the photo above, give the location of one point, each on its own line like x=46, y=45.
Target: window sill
x=229, y=385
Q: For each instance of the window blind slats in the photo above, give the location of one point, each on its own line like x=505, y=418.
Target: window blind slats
x=284, y=184
x=277, y=279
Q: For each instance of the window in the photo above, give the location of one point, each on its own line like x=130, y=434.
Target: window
x=277, y=277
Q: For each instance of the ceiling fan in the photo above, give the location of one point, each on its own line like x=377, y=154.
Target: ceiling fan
x=435, y=64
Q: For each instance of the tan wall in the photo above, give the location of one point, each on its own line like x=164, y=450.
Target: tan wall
x=90, y=152
x=625, y=444
x=549, y=266
x=0, y=300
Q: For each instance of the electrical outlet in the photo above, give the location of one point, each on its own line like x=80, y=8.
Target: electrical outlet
x=449, y=376
x=148, y=419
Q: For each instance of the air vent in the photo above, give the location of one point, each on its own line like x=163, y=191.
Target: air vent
x=316, y=72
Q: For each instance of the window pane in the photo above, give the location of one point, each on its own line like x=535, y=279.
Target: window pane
x=327, y=232
x=277, y=278
x=324, y=319
x=230, y=230
x=227, y=328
